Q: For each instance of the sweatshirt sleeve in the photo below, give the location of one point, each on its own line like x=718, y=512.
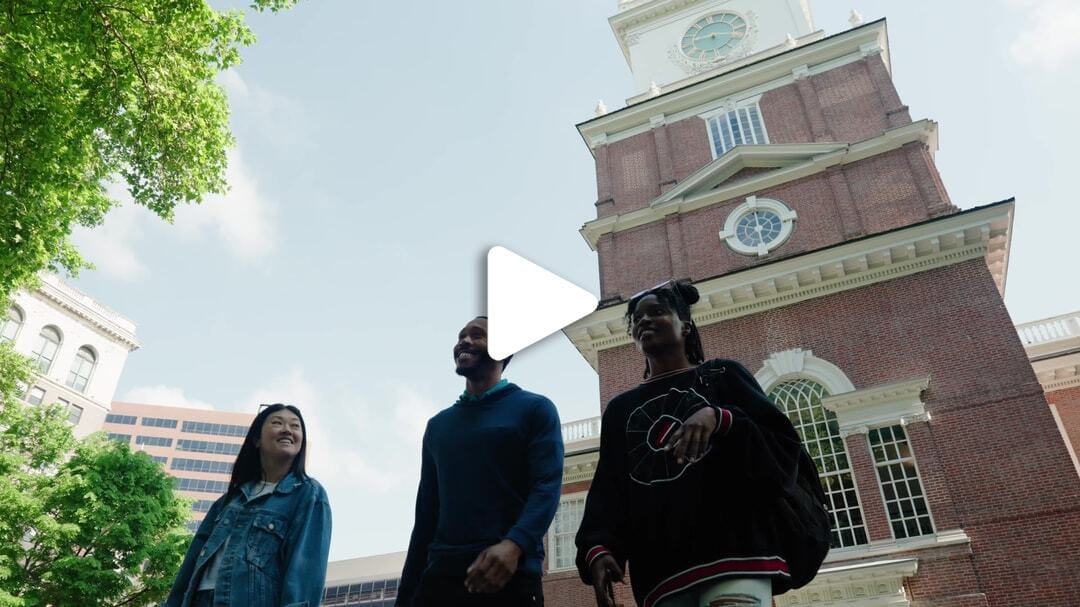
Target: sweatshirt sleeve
x=603, y=525
x=755, y=432
x=545, y=455
x=427, y=516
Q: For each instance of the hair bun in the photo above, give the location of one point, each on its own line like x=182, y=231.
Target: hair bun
x=688, y=292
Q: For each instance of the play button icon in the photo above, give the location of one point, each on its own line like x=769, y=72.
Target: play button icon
x=526, y=303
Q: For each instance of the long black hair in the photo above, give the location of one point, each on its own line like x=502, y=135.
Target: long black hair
x=248, y=466
x=678, y=295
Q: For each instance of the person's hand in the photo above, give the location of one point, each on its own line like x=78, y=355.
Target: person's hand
x=493, y=568
x=691, y=440
x=605, y=570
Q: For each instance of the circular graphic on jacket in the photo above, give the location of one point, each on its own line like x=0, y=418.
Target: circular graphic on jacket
x=649, y=430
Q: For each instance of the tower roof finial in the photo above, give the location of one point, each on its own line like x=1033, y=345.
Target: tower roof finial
x=856, y=18
x=601, y=109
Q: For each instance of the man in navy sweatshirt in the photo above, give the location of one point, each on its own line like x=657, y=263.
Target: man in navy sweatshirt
x=490, y=480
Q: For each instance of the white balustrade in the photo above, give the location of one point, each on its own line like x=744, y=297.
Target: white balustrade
x=582, y=429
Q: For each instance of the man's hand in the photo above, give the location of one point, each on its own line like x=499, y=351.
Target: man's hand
x=605, y=570
x=691, y=440
x=493, y=568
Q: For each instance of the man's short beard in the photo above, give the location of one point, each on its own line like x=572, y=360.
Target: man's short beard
x=477, y=370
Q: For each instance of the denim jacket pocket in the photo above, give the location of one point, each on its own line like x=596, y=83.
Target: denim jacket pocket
x=265, y=542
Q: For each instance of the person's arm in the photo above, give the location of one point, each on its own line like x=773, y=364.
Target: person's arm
x=494, y=567
x=603, y=525
x=187, y=569
x=427, y=517
x=754, y=433
x=307, y=550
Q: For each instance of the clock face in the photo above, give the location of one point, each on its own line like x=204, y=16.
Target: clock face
x=758, y=227
x=712, y=37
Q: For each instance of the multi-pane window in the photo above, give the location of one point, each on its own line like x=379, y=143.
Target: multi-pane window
x=10, y=329
x=202, y=505
x=742, y=125
x=35, y=395
x=161, y=459
x=376, y=593
x=201, y=446
x=201, y=485
x=159, y=422
x=116, y=418
x=45, y=350
x=562, y=532
x=81, y=368
x=201, y=465
x=74, y=412
x=215, y=429
x=905, y=499
x=120, y=438
x=820, y=432
x=153, y=441
x=192, y=526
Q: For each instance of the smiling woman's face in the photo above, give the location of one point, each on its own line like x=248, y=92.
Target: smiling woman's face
x=655, y=327
x=281, y=436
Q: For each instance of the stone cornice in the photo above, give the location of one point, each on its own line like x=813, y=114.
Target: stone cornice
x=873, y=584
x=1059, y=373
x=700, y=190
x=982, y=232
x=880, y=405
x=580, y=467
x=84, y=307
x=770, y=72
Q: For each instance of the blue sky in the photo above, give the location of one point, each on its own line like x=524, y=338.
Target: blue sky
x=384, y=146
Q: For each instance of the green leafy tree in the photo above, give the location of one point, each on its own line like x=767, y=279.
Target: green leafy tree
x=93, y=90
x=82, y=522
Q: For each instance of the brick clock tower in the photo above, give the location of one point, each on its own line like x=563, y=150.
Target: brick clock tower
x=778, y=169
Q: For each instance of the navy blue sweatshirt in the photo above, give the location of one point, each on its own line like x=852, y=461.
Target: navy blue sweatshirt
x=491, y=470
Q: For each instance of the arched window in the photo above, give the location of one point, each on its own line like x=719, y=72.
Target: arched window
x=12, y=324
x=82, y=368
x=45, y=351
x=800, y=399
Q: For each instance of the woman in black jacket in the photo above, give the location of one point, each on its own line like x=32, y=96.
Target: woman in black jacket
x=692, y=462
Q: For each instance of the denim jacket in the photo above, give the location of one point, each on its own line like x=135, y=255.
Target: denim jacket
x=278, y=545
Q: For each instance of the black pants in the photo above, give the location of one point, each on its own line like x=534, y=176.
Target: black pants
x=521, y=591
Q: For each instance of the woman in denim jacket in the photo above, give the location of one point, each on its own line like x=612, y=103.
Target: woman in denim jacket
x=266, y=541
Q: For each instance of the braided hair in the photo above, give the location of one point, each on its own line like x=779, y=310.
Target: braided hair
x=678, y=295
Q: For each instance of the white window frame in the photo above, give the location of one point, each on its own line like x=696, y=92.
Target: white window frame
x=551, y=537
x=8, y=321
x=729, y=233
x=33, y=390
x=722, y=113
x=38, y=353
x=76, y=364
x=918, y=477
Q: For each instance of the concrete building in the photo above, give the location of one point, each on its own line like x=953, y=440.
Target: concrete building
x=778, y=168
x=1053, y=345
x=79, y=346
x=370, y=581
x=196, y=446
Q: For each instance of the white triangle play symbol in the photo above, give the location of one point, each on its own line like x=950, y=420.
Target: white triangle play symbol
x=526, y=303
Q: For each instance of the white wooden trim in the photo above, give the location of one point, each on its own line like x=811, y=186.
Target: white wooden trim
x=799, y=363
x=884, y=405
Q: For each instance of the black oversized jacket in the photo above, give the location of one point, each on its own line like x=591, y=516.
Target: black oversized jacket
x=683, y=525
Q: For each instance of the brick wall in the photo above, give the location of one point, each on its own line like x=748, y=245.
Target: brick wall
x=1067, y=403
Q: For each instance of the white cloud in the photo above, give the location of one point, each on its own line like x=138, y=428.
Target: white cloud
x=163, y=395
x=278, y=119
x=112, y=246
x=1049, y=37
x=242, y=218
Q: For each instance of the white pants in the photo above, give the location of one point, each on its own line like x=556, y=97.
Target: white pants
x=742, y=592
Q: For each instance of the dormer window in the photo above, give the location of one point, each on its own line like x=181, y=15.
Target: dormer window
x=738, y=125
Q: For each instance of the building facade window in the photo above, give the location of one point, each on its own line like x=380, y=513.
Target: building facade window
x=741, y=125
x=201, y=485
x=159, y=422
x=201, y=465
x=120, y=438
x=116, y=418
x=74, y=412
x=214, y=429
x=905, y=500
x=202, y=505
x=45, y=350
x=82, y=368
x=35, y=395
x=199, y=446
x=800, y=399
x=153, y=441
x=12, y=323
x=561, y=545
x=375, y=593
x=161, y=459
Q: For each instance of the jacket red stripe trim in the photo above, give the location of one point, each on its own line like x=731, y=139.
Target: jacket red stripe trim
x=742, y=567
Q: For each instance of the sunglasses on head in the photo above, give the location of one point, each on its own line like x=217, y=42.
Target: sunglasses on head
x=666, y=285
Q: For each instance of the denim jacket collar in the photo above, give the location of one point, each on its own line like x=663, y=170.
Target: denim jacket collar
x=286, y=485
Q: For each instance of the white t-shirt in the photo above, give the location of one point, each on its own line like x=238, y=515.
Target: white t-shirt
x=209, y=579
